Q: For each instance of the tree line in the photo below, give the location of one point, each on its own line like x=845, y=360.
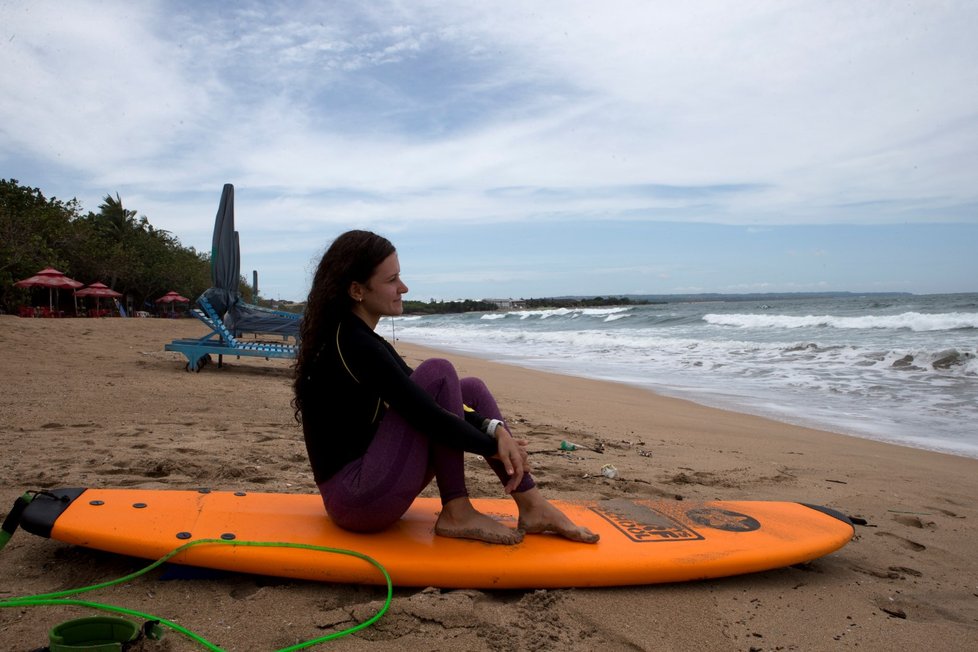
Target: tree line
x=583, y=302
x=434, y=307
x=446, y=307
x=114, y=246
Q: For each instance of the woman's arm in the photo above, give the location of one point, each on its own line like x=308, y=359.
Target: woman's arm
x=381, y=370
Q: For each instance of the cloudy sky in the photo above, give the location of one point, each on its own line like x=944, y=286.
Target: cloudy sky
x=524, y=148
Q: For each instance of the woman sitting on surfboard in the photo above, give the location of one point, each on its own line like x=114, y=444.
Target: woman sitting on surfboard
x=377, y=431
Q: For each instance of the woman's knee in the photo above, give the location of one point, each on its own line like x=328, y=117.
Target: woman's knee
x=472, y=386
x=476, y=394
x=438, y=368
x=435, y=375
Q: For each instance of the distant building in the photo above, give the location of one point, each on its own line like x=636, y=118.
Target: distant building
x=507, y=304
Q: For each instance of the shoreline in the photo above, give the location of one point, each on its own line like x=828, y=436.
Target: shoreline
x=98, y=402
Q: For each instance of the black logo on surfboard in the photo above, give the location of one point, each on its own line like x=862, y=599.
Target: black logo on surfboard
x=643, y=524
x=723, y=519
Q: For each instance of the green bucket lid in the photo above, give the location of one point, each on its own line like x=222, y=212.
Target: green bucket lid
x=94, y=634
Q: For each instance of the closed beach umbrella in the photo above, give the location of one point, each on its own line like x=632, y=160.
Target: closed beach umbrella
x=225, y=261
x=51, y=279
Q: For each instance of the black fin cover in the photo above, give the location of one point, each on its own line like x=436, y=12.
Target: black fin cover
x=47, y=506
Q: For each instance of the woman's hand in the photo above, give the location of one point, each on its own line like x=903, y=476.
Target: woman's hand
x=513, y=454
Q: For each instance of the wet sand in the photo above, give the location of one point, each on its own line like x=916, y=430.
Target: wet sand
x=97, y=402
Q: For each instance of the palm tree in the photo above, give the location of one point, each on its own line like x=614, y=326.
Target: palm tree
x=118, y=227
x=114, y=219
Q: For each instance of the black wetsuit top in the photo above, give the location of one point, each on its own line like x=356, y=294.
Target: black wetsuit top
x=355, y=378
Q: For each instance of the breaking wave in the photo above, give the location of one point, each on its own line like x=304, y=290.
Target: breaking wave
x=913, y=321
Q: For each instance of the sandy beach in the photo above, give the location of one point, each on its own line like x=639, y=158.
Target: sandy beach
x=98, y=402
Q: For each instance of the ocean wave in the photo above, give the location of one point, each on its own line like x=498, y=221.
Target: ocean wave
x=913, y=321
x=550, y=313
x=890, y=371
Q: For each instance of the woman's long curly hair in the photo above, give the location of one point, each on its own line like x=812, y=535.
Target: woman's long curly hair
x=351, y=257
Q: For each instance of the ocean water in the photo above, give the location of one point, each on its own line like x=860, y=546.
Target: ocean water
x=862, y=366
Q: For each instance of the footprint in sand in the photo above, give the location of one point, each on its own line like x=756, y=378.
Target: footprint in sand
x=906, y=570
x=914, y=521
x=947, y=512
x=905, y=543
x=891, y=573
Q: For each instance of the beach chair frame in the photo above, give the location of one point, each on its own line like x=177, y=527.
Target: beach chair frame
x=220, y=342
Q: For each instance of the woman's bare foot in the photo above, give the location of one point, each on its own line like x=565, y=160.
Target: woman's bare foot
x=538, y=515
x=460, y=520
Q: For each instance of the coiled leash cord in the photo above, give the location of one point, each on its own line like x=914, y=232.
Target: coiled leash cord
x=61, y=598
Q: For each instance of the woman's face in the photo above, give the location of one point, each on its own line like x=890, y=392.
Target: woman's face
x=380, y=296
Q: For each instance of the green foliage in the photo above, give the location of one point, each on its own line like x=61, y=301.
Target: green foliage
x=275, y=304
x=443, y=307
x=33, y=233
x=114, y=246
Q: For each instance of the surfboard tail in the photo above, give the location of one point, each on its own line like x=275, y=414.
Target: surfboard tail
x=37, y=512
x=13, y=518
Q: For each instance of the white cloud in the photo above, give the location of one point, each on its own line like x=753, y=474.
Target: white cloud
x=92, y=91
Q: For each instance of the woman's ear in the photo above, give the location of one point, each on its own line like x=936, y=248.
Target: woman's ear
x=356, y=292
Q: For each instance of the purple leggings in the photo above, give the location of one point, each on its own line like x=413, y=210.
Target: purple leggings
x=371, y=493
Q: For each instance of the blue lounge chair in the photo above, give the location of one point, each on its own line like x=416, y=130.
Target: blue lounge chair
x=220, y=342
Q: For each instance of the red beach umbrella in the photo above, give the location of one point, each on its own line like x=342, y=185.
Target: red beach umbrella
x=51, y=279
x=171, y=298
x=97, y=290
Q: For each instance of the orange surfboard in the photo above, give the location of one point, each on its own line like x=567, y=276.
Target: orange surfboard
x=642, y=542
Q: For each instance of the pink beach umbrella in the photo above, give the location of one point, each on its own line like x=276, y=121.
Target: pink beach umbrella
x=51, y=279
x=171, y=298
x=98, y=290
